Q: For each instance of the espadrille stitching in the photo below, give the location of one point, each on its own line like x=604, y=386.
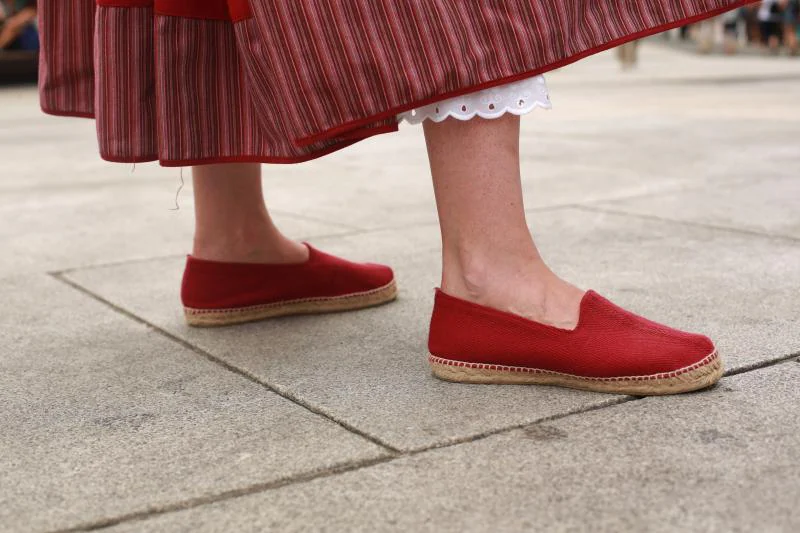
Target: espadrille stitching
x=706, y=361
x=281, y=303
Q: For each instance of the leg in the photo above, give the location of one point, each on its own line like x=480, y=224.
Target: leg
x=231, y=220
x=491, y=263
x=625, y=54
x=242, y=268
x=790, y=38
x=489, y=256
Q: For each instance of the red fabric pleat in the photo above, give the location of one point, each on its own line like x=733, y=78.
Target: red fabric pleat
x=346, y=63
x=125, y=85
x=66, y=66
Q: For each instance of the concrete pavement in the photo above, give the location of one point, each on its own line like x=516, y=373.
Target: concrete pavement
x=673, y=189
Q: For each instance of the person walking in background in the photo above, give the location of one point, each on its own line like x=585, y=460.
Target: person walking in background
x=703, y=33
x=628, y=55
x=18, y=25
x=771, y=20
x=223, y=85
x=752, y=24
x=791, y=19
x=730, y=30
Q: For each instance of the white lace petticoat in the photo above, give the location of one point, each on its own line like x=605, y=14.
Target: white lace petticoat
x=518, y=98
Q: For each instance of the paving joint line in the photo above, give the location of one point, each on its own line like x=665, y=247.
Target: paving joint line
x=763, y=364
x=231, y=494
x=325, y=237
x=220, y=362
x=394, y=453
x=690, y=224
x=133, y=261
x=307, y=218
x=610, y=402
x=111, y=264
x=358, y=465
x=670, y=188
x=423, y=224
x=329, y=472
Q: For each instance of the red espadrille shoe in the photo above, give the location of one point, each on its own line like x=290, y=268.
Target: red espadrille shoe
x=221, y=294
x=610, y=350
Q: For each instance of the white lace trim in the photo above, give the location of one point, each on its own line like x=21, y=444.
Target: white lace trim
x=518, y=98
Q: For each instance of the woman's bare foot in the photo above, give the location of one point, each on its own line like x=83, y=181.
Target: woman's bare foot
x=232, y=222
x=259, y=244
x=515, y=283
x=489, y=256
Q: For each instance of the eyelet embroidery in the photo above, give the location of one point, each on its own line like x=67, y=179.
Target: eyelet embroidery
x=519, y=98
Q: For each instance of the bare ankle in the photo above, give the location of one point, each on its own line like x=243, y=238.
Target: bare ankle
x=474, y=273
x=248, y=246
x=518, y=283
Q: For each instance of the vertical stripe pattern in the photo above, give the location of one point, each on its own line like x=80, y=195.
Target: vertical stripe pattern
x=288, y=80
x=125, y=84
x=204, y=102
x=66, y=67
x=346, y=62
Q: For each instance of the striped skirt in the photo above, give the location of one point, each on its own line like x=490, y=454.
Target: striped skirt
x=188, y=82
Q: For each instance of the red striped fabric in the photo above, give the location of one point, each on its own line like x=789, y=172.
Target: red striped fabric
x=66, y=67
x=204, y=106
x=349, y=62
x=126, y=103
x=280, y=81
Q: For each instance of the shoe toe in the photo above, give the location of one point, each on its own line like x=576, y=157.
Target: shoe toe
x=376, y=276
x=682, y=350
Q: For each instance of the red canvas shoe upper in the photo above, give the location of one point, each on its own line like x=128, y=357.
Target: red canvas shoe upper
x=217, y=285
x=607, y=342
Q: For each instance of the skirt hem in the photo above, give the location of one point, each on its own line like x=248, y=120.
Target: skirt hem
x=61, y=113
x=269, y=160
x=343, y=129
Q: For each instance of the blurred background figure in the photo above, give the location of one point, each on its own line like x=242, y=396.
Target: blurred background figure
x=791, y=24
x=730, y=30
x=725, y=28
x=704, y=35
x=778, y=25
x=770, y=20
x=766, y=25
x=18, y=25
x=752, y=25
x=628, y=54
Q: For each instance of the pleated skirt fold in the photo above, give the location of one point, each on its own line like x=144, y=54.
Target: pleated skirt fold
x=190, y=82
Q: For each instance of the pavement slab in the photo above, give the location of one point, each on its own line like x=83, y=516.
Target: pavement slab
x=369, y=369
x=721, y=460
x=770, y=206
x=366, y=368
x=669, y=188
x=103, y=416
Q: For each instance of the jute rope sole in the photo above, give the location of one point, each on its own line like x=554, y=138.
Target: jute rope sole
x=307, y=306
x=695, y=377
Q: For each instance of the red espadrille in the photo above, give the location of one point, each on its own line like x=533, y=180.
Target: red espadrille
x=611, y=350
x=220, y=294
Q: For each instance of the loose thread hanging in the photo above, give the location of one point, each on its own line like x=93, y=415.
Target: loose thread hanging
x=177, y=193
x=133, y=168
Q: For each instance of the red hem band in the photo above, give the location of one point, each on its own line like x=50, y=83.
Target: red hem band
x=363, y=135
x=253, y=158
x=338, y=131
x=231, y=10
x=78, y=114
x=131, y=160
